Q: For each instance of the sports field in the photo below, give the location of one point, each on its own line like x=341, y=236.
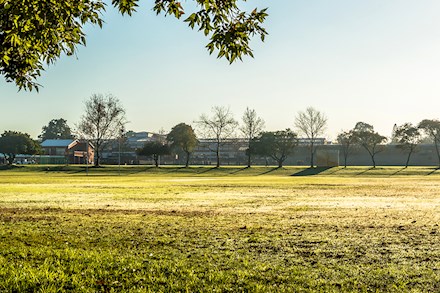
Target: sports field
x=229, y=229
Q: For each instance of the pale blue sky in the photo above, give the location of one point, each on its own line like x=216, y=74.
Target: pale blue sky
x=375, y=61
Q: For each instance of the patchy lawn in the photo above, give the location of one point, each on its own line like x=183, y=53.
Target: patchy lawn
x=219, y=230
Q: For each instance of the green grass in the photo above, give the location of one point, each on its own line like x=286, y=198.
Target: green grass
x=228, y=229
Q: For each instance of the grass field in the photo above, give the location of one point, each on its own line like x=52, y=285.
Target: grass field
x=219, y=230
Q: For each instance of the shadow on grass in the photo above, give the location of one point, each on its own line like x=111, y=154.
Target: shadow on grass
x=62, y=168
x=433, y=171
x=95, y=170
x=206, y=170
x=68, y=169
x=363, y=172
x=398, y=171
x=177, y=169
x=336, y=170
x=239, y=170
x=10, y=167
x=311, y=171
x=82, y=170
x=270, y=171
x=141, y=170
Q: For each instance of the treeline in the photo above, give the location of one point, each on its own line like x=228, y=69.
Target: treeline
x=105, y=119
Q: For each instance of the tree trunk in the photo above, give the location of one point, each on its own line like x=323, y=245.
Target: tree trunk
x=249, y=154
x=280, y=163
x=217, y=152
x=98, y=157
x=436, y=148
x=371, y=153
x=156, y=160
x=407, y=160
x=187, y=159
x=10, y=159
x=98, y=152
x=345, y=160
x=311, y=154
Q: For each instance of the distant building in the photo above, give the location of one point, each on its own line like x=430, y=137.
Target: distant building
x=136, y=140
x=124, y=150
x=232, y=152
x=66, y=151
x=317, y=141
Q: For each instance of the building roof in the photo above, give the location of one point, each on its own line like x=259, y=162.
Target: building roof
x=57, y=143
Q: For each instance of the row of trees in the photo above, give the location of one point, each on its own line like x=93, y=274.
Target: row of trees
x=277, y=145
x=104, y=119
x=14, y=142
x=108, y=114
x=406, y=136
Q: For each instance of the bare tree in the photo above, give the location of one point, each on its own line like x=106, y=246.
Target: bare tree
x=311, y=123
x=346, y=140
x=365, y=136
x=220, y=126
x=103, y=118
x=252, y=126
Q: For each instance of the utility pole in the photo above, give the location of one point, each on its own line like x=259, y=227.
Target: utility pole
x=119, y=156
x=121, y=135
x=87, y=157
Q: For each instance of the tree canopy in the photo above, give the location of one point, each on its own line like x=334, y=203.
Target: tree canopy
x=346, y=140
x=370, y=140
x=13, y=143
x=182, y=137
x=408, y=138
x=154, y=149
x=34, y=33
x=56, y=129
x=432, y=128
x=276, y=145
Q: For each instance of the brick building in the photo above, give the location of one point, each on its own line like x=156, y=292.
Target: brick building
x=66, y=151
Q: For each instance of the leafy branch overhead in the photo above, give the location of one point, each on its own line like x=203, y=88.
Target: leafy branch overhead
x=37, y=32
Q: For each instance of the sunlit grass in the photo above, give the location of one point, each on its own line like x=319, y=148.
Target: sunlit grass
x=228, y=229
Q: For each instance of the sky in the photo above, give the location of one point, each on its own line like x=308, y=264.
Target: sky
x=373, y=61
